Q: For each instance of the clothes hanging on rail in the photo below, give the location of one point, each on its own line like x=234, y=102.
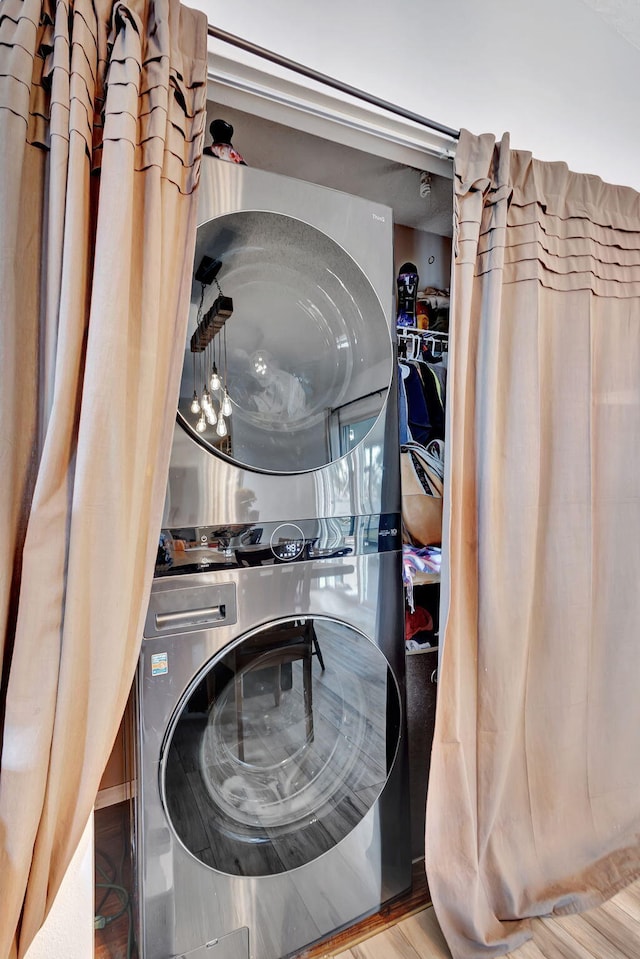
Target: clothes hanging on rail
x=422, y=389
x=422, y=401
x=417, y=412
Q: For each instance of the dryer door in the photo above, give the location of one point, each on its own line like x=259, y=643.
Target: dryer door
x=280, y=746
x=305, y=356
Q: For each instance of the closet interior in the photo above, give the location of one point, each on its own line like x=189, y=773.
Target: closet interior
x=421, y=198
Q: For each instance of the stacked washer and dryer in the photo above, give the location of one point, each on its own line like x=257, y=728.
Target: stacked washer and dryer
x=272, y=805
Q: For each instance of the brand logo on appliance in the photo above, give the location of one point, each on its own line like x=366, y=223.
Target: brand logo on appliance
x=380, y=219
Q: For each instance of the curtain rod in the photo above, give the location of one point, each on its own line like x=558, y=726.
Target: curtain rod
x=330, y=81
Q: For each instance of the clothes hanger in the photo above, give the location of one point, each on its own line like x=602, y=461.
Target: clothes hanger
x=413, y=344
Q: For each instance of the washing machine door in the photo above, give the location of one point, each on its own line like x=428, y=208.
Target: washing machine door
x=280, y=746
x=304, y=361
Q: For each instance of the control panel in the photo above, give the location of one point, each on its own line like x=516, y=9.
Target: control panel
x=201, y=548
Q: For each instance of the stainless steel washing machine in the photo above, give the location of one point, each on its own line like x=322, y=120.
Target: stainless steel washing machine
x=272, y=783
x=291, y=318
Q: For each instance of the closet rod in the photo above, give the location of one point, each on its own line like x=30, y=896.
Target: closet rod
x=330, y=81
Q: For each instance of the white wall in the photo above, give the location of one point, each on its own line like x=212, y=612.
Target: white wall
x=551, y=72
x=68, y=931
x=431, y=254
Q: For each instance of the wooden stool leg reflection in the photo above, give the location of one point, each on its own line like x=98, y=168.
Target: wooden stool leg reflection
x=297, y=642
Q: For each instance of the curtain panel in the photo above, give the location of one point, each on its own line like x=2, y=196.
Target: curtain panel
x=102, y=116
x=534, y=794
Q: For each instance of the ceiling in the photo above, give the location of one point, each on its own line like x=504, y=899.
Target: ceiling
x=623, y=15
x=281, y=149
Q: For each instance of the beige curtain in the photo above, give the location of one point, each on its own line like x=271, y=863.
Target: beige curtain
x=534, y=792
x=102, y=113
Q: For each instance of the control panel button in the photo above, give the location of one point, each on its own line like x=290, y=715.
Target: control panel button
x=287, y=542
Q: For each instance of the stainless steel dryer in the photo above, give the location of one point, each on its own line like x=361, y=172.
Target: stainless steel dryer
x=272, y=783
x=306, y=356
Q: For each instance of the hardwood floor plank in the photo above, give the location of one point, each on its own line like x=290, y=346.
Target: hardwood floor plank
x=567, y=937
x=617, y=927
x=630, y=919
x=589, y=936
x=423, y=932
x=529, y=950
x=390, y=944
x=555, y=942
x=629, y=900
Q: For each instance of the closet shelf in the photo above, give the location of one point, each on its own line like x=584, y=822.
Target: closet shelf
x=421, y=652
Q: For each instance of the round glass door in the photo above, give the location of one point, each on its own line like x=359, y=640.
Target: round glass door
x=280, y=747
x=291, y=330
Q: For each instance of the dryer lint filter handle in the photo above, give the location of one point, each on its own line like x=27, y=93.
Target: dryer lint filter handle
x=190, y=609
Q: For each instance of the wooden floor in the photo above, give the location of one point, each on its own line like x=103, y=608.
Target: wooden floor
x=612, y=931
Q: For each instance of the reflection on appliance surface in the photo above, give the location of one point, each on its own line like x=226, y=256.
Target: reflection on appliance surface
x=306, y=341
x=280, y=751
x=207, y=548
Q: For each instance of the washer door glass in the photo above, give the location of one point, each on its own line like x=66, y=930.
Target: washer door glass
x=305, y=350
x=280, y=747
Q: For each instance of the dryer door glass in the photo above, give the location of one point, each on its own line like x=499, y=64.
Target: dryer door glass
x=305, y=350
x=281, y=747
